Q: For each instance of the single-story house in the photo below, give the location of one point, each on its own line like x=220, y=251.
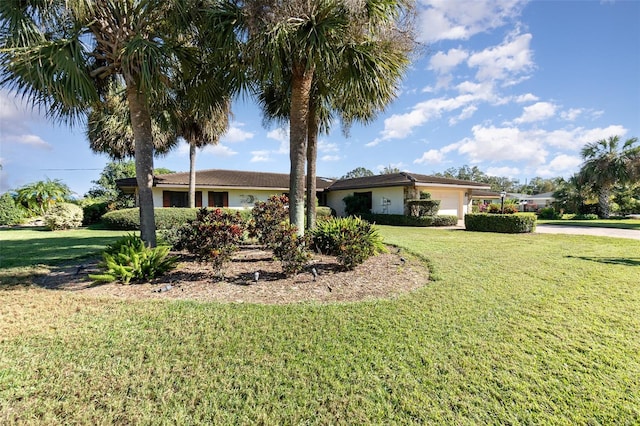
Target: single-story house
x=219, y=188
x=532, y=203
x=386, y=194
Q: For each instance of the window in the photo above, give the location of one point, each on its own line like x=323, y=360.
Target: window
x=218, y=199
x=366, y=195
x=179, y=199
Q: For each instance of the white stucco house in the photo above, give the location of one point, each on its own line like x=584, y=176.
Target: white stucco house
x=386, y=194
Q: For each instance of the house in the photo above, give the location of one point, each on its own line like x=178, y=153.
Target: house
x=386, y=194
x=532, y=203
x=219, y=188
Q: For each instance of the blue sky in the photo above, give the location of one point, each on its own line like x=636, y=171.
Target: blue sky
x=513, y=87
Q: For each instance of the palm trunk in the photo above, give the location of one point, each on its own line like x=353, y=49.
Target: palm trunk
x=192, y=174
x=300, y=91
x=141, y=124
x=312, y=154
x=603, y=202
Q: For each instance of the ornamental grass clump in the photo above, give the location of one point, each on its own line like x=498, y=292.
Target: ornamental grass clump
x=129, y=259
x=351, y=239
x=213, y=236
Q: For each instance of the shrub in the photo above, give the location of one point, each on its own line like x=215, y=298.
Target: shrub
x=213, y=236
x=267, y=217
x=355, y=205
x=352, y=240
x=291, y=249
x=324, y=212
x=129, y=259
x=93, y=211
x=10, y=212
x=63, y=216
x=548, y=213
x=166, y=217
x=402, y=220
x=507, y=207
x=423, y=207
x=585, y=216
x=504, y=223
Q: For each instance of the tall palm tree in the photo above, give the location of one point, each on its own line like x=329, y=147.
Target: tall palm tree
x=299, y=44
x=607, y=163
x=63, y=54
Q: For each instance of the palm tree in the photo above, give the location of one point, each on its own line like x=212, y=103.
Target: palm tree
x=606, y=164
x=41, y=195
x=63, y=54
x=299, y=46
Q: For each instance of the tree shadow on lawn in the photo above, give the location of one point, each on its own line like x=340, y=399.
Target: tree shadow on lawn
x=627, y=261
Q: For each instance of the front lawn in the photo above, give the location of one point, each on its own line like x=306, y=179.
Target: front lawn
x=524, y=328
x=599, y=223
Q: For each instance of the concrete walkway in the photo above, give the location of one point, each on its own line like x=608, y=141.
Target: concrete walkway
x=587, y=230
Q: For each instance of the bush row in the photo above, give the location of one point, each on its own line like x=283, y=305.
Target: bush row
x=402, y=220
x=504, y=223
x=166, y=217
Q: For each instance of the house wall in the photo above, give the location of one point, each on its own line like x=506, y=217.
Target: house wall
x=453, y=201
x=394, y=194
x=238, y=198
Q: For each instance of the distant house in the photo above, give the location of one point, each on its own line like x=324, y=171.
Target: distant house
x=386, y=194
x=531, y=203
x=219, y=188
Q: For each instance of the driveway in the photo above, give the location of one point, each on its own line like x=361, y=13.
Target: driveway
x=587, y=230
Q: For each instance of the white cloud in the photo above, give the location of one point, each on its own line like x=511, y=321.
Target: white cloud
x=537, y=112
x=461, y=19
x=443, y=63
x=510, y=59
x=236, y=134
x=528, y=97
x=572, y=114
x=494, y=144
x=561, y=165
x=431, y=156
x=324, y=146
x=466, y=113
x=281, y=135
x=373, y=143
x=259, y=157
x=219, y=150
x=506, y=171
x=31, y=140
x=330, y=158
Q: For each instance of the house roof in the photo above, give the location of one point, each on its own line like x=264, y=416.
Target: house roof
x=484, y=195
x=402, y=179
x=224, y=179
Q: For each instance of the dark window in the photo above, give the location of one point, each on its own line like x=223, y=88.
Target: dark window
x=179, y=199
x=366, y=195
x=218, y=199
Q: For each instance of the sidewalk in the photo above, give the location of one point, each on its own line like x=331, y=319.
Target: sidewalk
x=586, y=230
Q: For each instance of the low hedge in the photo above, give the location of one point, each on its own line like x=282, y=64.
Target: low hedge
x=166, y=217
x=402, y=220
x=503, y=223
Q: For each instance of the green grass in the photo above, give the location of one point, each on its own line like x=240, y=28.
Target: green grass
x=599, y=223
x=516, y=329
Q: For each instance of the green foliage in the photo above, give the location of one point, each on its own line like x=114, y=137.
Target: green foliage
x=93, y=210
x=267, y=217
x=356, y=205
x=548, y=213
x=324, y=212
x=63, y=216
x=509, y=207
x=10, y=212
x=106, y=189
x=585, y=216
x=358, y=172
x=352, y=240
x=166, y=217
x=291, y=249
x=129, y=259
x=503, y=223
x=213, y=236
x=42, y=195
x=403, y=220
x=423, y=207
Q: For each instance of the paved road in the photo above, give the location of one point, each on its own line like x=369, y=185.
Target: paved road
x=587, y=230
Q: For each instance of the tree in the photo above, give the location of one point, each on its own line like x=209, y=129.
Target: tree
x=389, y=170
x=571, y=195
x=63, y=55
x=358, y=172
x=607, y=163
x=291, y=42
x=41, y=195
